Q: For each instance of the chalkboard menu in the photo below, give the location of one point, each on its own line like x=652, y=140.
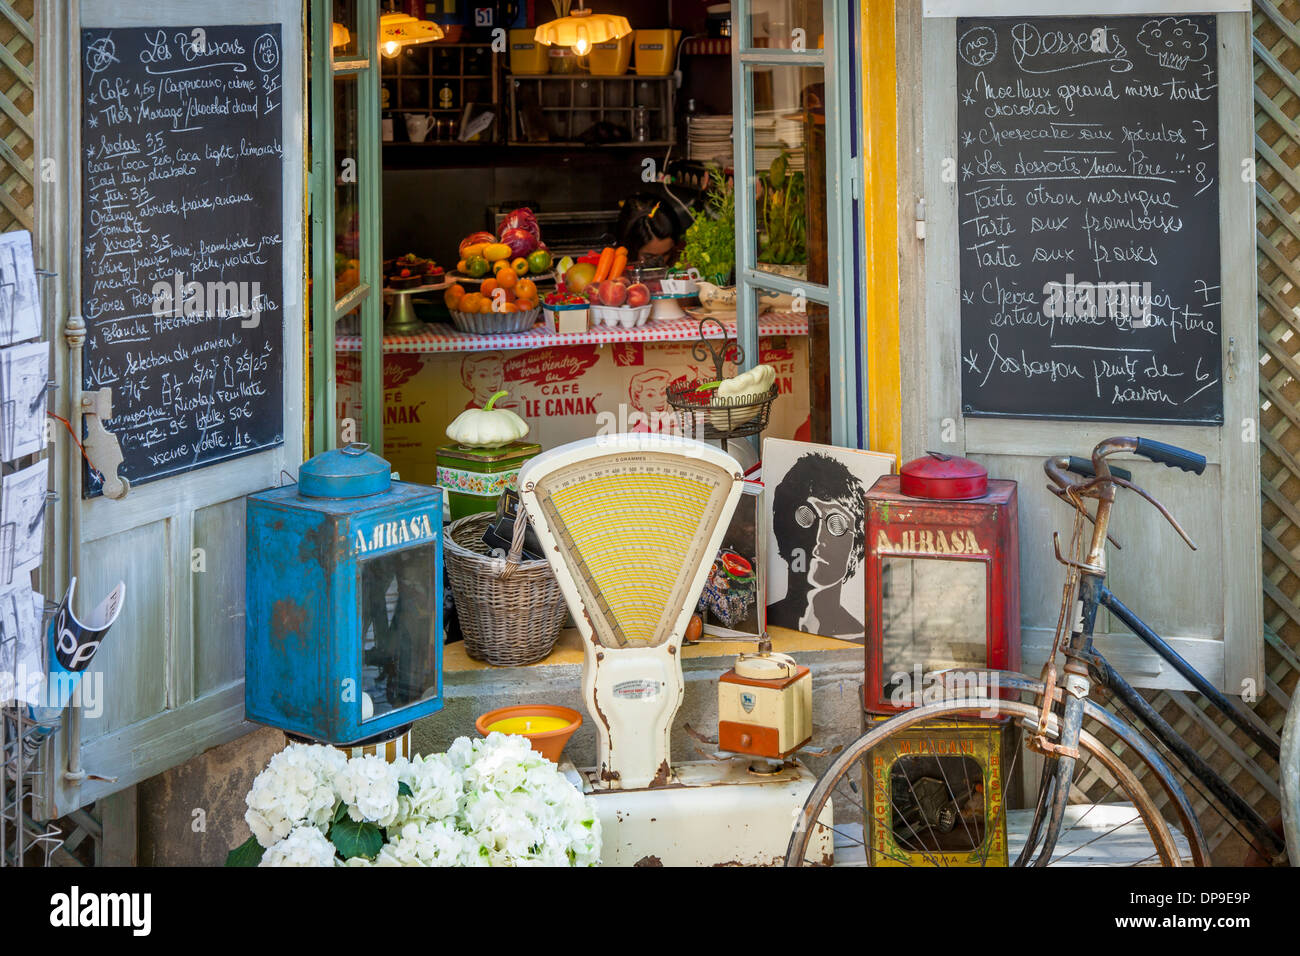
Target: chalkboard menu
x=1088, y=203
x=181, y=258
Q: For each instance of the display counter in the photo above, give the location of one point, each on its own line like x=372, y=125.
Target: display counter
x=567, y=387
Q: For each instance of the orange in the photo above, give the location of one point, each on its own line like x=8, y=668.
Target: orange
x=526, y=304
x=509, y=307
x=526, y=289
x=507, y=279
x=453, y=295
x=470, y=301
x=485, y=306
x=488, y=287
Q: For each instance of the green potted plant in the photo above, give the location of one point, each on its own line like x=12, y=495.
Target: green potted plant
x=711, y=238
x=783, y=218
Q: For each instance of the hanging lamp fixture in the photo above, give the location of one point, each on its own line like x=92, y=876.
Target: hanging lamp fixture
x=397, y=30
x=581, y=28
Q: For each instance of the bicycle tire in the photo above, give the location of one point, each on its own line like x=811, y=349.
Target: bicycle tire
x=1162, y=839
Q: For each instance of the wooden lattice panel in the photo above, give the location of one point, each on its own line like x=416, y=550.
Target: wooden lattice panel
x=17, y=106
x=1276, y=45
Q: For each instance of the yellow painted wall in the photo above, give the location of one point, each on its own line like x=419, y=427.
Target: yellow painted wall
x=880, y=208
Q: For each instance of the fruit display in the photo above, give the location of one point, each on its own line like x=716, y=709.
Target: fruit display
x=518, y=247
x=410, y=271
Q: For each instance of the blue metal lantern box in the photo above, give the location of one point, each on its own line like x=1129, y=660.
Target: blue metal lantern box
x=344, y=590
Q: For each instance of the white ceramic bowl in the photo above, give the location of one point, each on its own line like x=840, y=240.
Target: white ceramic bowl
x=620, y=317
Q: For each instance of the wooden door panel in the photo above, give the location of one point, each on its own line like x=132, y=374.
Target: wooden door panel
x=134, y=657
x=218, y=595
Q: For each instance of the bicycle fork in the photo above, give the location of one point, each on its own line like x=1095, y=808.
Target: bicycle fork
x=1064, y=753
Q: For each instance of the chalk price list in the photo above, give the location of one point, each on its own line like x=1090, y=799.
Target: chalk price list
x=1088, y=203
x=182, y=276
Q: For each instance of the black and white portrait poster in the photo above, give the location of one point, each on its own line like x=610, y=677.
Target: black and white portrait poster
x=817, y=535
x=24, y=373
x=20, y=307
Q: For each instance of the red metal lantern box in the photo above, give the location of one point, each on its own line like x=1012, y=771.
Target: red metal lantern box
x=943, y=583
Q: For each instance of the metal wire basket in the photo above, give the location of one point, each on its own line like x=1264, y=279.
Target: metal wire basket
x=701, y=413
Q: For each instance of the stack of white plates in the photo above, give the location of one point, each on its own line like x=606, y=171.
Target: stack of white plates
x=775, y=132
x=709, y=139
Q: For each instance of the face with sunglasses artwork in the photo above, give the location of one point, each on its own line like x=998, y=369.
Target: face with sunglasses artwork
x=818, y=526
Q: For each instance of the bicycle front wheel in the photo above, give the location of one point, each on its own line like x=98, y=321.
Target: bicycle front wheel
x=904, y=795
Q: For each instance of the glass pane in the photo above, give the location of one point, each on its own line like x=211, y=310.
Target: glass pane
x=347, y=218
x=933, y=616
x=803, y=364
x=398, y=619
x=344, y=38
x=786, y=24
x=788, y=189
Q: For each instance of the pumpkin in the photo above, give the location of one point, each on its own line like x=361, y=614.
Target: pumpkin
x=487, y=427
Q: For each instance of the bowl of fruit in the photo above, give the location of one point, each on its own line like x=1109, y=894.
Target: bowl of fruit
x=518, y=246
x=502, y=305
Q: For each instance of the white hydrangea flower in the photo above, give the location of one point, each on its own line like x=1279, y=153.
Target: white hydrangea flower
x=436, y=789
x=295, y=788
x=304, y=846
x=368, y=785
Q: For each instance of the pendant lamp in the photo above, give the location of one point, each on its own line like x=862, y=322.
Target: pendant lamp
x=397, y=30
x=581, y=28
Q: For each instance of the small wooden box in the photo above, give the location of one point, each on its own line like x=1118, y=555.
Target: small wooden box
x=914, y=821
x=762, y=715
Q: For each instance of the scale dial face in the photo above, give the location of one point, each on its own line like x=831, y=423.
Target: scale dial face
x=633, y=530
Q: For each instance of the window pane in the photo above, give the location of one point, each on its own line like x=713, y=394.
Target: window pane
x=788, y=188
x=933, y=616
x=399, y=619
x=347, y=218
x=804, y=369
x=786, y=24
x=344, y=39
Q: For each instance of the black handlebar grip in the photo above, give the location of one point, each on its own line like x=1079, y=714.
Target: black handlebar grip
x=1082, y=466
x=1171, y=455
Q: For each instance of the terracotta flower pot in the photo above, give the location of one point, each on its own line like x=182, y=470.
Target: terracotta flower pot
x=549, y=743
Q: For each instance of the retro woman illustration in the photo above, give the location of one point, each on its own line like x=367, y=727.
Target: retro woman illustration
x=483, y=374
x=818, y=520
x=648, y=393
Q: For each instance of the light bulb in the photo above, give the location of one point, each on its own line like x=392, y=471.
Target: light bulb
x=391, y=48
x=583, y=43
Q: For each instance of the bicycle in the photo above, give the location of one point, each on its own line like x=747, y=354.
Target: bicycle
x=1044, y=720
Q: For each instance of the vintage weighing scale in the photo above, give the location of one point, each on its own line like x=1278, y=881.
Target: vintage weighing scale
x=631, y=525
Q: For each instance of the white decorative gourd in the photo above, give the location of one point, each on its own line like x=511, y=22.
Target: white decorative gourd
x=487, y=427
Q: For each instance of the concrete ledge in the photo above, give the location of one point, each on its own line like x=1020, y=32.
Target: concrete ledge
x=472, y=688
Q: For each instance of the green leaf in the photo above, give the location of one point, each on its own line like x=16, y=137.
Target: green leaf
x=340, y=812
x=356, y=838
x=404, y=789
x=248, y=853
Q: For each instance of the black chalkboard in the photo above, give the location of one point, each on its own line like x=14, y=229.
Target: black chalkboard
x=1088, y=208
x=181, y=260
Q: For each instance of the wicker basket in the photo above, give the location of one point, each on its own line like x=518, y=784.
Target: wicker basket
x=510, y=611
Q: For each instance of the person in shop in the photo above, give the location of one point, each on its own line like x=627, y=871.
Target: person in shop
x=650, y=229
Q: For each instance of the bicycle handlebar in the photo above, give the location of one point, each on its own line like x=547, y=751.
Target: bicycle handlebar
x=1082, y=466
x=1170, y=455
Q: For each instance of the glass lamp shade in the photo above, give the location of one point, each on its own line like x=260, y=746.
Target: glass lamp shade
x=339, y=35
x=581, y=29
x=397, y=30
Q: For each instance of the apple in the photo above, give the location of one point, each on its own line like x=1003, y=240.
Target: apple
x=611, y=293
x=638, y=295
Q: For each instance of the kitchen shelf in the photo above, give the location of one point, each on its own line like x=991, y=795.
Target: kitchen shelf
x=567, y=105
x=415, y=78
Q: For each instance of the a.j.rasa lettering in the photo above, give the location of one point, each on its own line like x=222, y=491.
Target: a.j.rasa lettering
x=181, y=253
x=1088, y=200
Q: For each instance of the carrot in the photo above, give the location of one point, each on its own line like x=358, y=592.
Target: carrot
x=603, y=266
x=620, y=262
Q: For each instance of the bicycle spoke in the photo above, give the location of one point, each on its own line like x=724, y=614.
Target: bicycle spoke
x=1099, y=836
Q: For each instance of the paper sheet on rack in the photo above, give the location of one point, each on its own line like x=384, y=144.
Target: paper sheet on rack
x=22, y=672
x=24, y=373
x=20, y=307
x=22, y=523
